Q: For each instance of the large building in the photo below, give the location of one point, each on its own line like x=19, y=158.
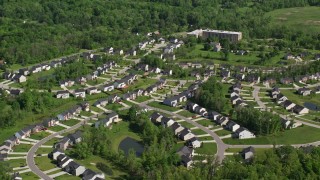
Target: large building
x=205, y=34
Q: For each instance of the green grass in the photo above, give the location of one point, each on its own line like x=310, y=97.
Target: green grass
x=96, y=82
x=16, y=162
x=44, y=163
x=57, y=128
x=68, y=177
x=162, y=106
x=142, y=99
x=44, y=150
x=198, y=131
x=300, y=135
x=39, y=135
x=70, y=122
x=113, y=106
x=205, y=138
x=299, y=99
x=300, y=18
x=142, y=83
x=93, y=160
x=186, y=113
x=207, y=148
x=95, y=109
x=205, y=122
x=22, y=147
x=186, y=124
x=223, y=132
x=52, y=141
x=86, y=113
x=29, y=176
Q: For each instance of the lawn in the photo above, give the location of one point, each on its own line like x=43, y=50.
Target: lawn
x=70, y=122
x=86, y=113
x=300, y=135
x=16, y=162
x=223, y=132
x=198, y=131
x=44, y=163
x=206, y=138
x=205, y=122
x=207, y=148
x=142, y=99
x=52, y=141
x=93, y=108
x=68, y=177
x=162, y=106
x=142, y=83
x=91, y=162
x=113, y=106
x=186, y=113
x=22, y=148
x=299, y=99
x=39, y=135
x=57, y=128
x=29, y=176
x=300, y=18
x=186, y=124
x=96, y=82
x=44, y=150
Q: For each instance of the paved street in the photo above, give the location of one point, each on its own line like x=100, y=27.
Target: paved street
x=32, y=151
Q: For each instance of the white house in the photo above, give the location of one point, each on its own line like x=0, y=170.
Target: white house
x=186, y=134
x=243, y=133
x=80, y=93
x=194, y=142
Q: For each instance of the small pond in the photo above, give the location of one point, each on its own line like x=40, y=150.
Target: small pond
x=311, y=106
x=129, y=143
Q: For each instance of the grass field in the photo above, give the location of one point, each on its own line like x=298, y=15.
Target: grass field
x=186, y=113
x=305, y=134
x=52, y=141
x=22, y=148
x=299, y=99
x=198, y=131
x=39, y=135
x=44, y=163
x=301, y=18
x=207, y=148
x=70, y=122
x=142, y=99
x=162, y=106
x=16, y=162
x=205, y=122
x=186, y=124
x=29, y=176
x=67, y=176
x=44, y=150
x=57, y=128
x=223, y=132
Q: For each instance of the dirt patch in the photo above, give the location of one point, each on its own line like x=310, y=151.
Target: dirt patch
x=312, y=22
x=282, y=18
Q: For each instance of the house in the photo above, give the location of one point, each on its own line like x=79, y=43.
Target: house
x=5, y=149
x=194, y=142
x=167, y=72
x=239, y=77
x=176, y=127
x=304, y=91
x=171, y=101
x=139, y=92
x=234, y=99
x=24, y=71
x=213, y=115
x=186, y=134
x=63, y=94
x=80, y=93
x=88, y=174
x=253, y=78
x=74, y=168
x=281, y=98
x=169, y=56
x=161, y=40
x=225, y=73
x=101, y=102
x=232, y=126
x=208, y=73
x=288, y=56
x=243, y=133
x=248, y=153
x=81, y=80
x=36, y=128
x=234, y=93
x=108, y=87
x=49, y=122
x=286, y=124
x=66, y=83
x=114, y=98
x=92, y=76
x=20, y=78
x=300, y=109
x=118, y=52
x=143, y=44
x=55, y=153
x=241, y=52
x=75, y=137
x=270, y=81
x=143, y=67
x=186, y=155
x=167, y=122
x=156, y=117
x=286, y=80
x=317, y=57
x=288, y=105
x=92, y=90
x=108, y=50
x=63, y=144
x=131, y=52
x=64, y=162
x=222, y=120
x=216, y=46
x=191, y=106
x=296, y=124
x=107, y=121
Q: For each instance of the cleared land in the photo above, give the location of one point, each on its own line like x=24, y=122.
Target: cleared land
x=302, y=18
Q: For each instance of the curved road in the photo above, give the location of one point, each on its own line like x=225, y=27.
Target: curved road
x=31, y=153
x=221, y=146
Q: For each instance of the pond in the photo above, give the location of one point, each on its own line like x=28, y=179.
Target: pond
x=129, y=143
x=311, y=106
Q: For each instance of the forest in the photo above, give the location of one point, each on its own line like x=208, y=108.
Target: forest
x=63, y=27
